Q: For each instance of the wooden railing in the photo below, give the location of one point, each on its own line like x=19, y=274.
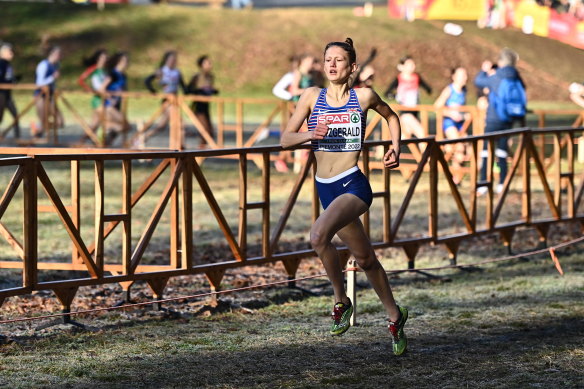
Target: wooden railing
x=185, y=177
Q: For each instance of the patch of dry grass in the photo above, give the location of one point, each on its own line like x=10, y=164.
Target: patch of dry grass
x=511, y=325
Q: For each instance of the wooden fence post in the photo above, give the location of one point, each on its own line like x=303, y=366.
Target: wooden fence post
x=352, y=288
x=30, y=217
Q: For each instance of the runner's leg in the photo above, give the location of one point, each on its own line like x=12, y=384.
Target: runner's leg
x=354, y=236
x=342, y=211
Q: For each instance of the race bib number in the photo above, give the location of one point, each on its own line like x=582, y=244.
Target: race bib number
x=344, y=132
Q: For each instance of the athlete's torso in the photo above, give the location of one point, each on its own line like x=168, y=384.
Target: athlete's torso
x=6, y=73
x=6, y=76
x=118, y=81
x=97, y=78
x=456, y=98
x=408, y=93
x=306, y=81
x=170, y=79
x=340, y=148
x=50, y=69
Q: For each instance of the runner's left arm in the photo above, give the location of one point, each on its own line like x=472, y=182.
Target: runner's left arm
x=374, y=102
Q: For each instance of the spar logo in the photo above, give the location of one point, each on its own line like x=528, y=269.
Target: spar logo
x=340, y=118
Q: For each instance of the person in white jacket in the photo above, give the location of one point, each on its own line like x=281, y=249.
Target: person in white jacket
x=282, y=88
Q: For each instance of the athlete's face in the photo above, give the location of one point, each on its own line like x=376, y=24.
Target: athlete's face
x=206, y=65
x=409, y=66
x=122, y=63
x=336, y=64
x=54, y=56
x=171, y=61
x=101, y=60
x=7, y=53
x=460, y=76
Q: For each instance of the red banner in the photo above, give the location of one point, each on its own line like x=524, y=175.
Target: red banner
x=566, y=28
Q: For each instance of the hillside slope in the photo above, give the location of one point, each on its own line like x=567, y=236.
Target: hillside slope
x=250, y=48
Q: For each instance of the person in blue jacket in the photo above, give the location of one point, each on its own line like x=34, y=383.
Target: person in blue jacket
x=494, y=122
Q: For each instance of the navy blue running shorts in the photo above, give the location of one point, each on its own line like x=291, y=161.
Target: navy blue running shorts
x=350, y=181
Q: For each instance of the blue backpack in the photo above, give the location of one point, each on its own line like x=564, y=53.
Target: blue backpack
x=510, y=100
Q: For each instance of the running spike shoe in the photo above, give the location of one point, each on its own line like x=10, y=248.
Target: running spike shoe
x=396, y=329
x=341, y=316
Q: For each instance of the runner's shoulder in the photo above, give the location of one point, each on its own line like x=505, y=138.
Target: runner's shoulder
x=312, y=91
x=366, y=96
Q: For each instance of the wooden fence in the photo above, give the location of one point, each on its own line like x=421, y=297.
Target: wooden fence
x=563, y=190
x=231, y=119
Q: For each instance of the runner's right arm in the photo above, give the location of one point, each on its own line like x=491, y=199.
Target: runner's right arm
x=83, y=78
x=291, y=137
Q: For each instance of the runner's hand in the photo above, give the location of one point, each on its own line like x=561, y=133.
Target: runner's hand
x=320, y=130
x=391, y=159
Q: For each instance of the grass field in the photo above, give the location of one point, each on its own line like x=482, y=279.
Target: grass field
x=512, y=325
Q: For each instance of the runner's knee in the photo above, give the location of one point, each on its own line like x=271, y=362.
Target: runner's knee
x=367, y=260
x=318, y=239
x=368, y=263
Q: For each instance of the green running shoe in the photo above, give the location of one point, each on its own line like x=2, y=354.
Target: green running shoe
x=396, y=329
x=341, y=316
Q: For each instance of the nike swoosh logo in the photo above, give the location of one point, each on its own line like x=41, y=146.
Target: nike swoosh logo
x=347, y=183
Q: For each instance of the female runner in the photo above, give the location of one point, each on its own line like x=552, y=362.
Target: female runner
x=114, y=83
x=95, y=74
x=47, y=73
x=170, y=78
x=451, y=98
x=336, y=121
x=203, y=84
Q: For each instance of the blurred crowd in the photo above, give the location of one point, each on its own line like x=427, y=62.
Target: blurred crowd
x=500, y=13
x=572, y=7
x=499, y=87
x=105, y=77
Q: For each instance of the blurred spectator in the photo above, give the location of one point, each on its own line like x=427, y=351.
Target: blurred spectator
x=171, y=80
x=7, y=77
x=451, y=98
x=238, y=4
x=572, y=7
x=282, y=87
x=406, y=90
x=47, y=73
x=95, y=73
x=499, y=116
x=363, y=77
x=202, y=84
x=302, y=77
x=577, y=93
x=114, y=84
